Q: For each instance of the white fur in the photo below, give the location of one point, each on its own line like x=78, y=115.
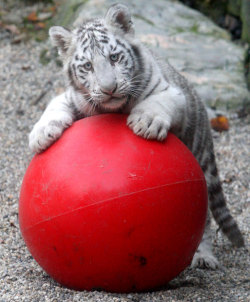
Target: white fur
x=49, y=128
x=154, y=116
x=205, y=258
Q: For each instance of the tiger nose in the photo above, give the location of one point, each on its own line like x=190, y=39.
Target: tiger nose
x=109, y=90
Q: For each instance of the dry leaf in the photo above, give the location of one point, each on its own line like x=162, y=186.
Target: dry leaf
x=12, y=28
x=52, y=9
x=32, y=17
x=40, y=25
x=220, y=123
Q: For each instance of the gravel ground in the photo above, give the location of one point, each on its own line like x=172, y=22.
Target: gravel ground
x=26, y=87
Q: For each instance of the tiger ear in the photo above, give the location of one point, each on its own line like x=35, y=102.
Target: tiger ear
x=61, y=37
x=119, y=16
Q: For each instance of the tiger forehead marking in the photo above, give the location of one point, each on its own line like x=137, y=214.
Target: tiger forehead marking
x=94, y=39
x=94, y=35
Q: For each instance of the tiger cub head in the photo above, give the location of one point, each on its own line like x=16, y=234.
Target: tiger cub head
x=100, y=59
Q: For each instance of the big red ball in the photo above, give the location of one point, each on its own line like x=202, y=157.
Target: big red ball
x=105, y=209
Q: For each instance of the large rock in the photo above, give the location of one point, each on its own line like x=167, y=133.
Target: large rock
x=198, y=48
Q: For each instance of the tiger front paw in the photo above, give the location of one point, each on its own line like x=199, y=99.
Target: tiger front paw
x=44, y=135
x=149, y=125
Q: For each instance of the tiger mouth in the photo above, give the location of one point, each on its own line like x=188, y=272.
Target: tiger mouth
x=114, y=102
x=114, y=99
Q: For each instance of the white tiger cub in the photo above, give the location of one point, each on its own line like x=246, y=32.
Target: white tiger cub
x=108, y=70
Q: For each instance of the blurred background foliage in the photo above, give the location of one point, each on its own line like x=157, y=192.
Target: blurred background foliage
x=233, y=15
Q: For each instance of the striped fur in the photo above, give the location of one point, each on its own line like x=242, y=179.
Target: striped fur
x=108, y=70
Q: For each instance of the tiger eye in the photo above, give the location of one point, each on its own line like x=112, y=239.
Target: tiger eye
x=87, y=66
x=114, y=57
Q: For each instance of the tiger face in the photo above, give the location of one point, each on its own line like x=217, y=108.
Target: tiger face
x=99, y=60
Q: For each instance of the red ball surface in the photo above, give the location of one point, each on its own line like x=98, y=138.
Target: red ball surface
x=104, y=208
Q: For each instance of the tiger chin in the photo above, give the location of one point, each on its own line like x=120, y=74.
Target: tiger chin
x=109, y=70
